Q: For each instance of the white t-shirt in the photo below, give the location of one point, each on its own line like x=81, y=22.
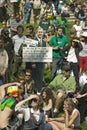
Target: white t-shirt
x=72, y=56
x=83, y=52
x=83, y=80
x=18, y=41
x=78, y=29
x=26, y=111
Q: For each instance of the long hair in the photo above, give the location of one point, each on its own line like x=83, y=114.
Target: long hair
x=49, y=95
x=70, y=102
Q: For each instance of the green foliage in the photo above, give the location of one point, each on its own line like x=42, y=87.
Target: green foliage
x=69, y=26
x=47, y=75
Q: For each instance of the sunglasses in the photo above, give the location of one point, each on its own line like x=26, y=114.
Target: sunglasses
x=28, y=75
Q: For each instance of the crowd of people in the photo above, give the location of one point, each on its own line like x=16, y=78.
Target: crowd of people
x=27, y=102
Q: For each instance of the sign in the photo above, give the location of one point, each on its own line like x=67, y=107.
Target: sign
x=37, y=54
x=31, y=43
x=14, y=1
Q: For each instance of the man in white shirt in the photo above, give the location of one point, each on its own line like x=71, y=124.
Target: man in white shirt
x=18, y=40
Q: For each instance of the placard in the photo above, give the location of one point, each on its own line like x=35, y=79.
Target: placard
x=31, y=43
x=37, y=54
x=14, y=1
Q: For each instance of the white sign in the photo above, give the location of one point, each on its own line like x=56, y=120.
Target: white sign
x=37, y=54
x=14, y=1
x=31, y=43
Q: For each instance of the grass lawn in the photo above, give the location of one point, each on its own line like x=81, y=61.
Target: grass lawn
x=84, y=126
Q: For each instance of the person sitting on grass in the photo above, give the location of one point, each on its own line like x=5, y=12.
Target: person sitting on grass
x=9, y=98
x=34, y=117
x=63, y=84
x=48, y=101
x=70, y=120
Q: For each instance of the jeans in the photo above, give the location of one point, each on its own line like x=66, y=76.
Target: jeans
x=26, y=17
x=47, y=126
x=75, y=68
x=56, y=64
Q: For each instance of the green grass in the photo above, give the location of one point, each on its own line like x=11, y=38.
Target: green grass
x=84, y=126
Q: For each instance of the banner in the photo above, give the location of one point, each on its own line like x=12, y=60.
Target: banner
x=37, y=54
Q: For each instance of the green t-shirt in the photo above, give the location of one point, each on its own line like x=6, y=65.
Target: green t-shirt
x=44, y=24
x=62, y=23
x=60, y=41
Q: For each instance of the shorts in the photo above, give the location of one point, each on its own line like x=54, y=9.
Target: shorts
x=83, y=62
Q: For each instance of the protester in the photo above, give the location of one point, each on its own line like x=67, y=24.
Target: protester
x=78, y=27
x=38, y=67
x=71, y=119
x=27, y=11
x=82, y=102
x=3, y=62
x=62, y=22
x=9, y=47
x=44, y=23
x=30, y=33
x=3, y=11
x=34, y=117
x=48, y=101
x=29, y=84
x=9, y=98
x=72, y=56
x=16, y=22
x=62, y=84
x=57, y=42
x=83, y=53
x=36, y=10
x=83, y=78
x=18, y=40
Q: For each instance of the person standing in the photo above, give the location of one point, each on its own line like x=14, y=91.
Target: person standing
x=44, y=23
x=83, y=53
x=27, y=11
x=38, y=67
x=18, y=40
x=62, y=22
x=3, y=62
x=36, y=9
x=72, y=50
x=2, y=10
x=57, y=42
x=9, y=47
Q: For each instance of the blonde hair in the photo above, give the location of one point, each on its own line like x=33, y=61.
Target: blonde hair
x=70, y=102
